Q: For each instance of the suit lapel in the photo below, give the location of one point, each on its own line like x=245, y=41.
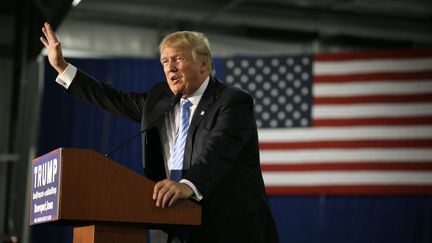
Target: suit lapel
x=151, y=118
x=156, y=114
x=207, y=100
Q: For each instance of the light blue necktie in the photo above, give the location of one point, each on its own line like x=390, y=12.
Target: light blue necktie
x=180, y=140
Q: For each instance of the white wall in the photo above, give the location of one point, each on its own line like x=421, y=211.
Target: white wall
x=92, y=39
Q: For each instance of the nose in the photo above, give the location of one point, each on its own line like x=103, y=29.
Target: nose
x=172, y=66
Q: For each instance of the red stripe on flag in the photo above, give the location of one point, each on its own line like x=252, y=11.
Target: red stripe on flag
x=367, y=77
x=349, y=190
x=392, y=54
x=386, y=121
x=349, y=166
x=412, y=98
x=347, y=144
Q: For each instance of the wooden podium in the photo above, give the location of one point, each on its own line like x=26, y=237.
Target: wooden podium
x=105, y=201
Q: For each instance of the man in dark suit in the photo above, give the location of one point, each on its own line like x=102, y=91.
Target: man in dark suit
x=204, y=147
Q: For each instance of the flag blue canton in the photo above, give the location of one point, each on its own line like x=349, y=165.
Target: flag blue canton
x=281, y=87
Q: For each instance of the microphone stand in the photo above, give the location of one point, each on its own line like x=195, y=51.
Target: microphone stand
x=175, y=100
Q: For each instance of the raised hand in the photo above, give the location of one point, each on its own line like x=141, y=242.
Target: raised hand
x=53, y=45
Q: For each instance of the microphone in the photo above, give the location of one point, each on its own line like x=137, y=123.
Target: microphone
x=174, y=100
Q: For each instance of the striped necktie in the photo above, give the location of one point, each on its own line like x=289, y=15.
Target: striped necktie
x=180, y=140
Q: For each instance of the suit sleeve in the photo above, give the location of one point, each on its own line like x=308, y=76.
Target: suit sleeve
x=229, y=140
x=129, y=105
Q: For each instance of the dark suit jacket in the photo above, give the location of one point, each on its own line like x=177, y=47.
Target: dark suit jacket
x=221, y=154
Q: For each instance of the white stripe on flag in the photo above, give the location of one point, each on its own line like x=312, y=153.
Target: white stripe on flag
x=371, y=110
x=347, y=178
x=371, y=88
x=371, y=66
x=306, y=156
x=349, y=133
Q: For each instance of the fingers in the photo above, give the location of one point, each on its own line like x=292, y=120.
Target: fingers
x=175, y=197
x=44, y=41
x=49, y=36
x=44, y=31
x=44, y=38
x=166, y=193
x=49, y=33
x=46, y=35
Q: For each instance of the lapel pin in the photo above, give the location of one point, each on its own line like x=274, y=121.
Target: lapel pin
x=202, y=113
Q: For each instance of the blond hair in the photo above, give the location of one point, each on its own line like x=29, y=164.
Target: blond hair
x=194, y=41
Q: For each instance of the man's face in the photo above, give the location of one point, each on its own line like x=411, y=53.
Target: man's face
x=182, y=73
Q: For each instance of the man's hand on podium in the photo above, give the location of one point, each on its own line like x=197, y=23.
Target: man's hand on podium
x=167, y=192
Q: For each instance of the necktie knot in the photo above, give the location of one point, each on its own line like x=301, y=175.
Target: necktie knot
x=185, y=103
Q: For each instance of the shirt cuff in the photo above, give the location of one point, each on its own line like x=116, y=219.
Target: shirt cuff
x=197, y=195
x=66, y=77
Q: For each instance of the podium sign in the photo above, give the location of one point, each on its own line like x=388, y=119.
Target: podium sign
x=104, y=201
x=45, y=188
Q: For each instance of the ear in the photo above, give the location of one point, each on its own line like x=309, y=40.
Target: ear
x=204, y=66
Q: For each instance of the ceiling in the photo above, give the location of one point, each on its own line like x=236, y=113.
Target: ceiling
x=378, y=23
x=366, y=23
x=21, y=22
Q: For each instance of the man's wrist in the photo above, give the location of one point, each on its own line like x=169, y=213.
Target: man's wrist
x=196, y=194
x=61, y=67
x=188, y=190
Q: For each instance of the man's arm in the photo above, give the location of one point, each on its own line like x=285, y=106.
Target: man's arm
x=228, y=140
x=83, y=86
x=232, y=130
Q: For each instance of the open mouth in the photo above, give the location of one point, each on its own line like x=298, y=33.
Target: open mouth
x=175, y=78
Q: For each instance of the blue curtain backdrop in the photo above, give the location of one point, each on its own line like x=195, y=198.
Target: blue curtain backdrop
x=66, y=122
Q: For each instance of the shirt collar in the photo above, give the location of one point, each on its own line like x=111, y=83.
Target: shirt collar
x=196, y=96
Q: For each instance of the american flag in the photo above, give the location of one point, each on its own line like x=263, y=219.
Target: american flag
x=346, y=123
